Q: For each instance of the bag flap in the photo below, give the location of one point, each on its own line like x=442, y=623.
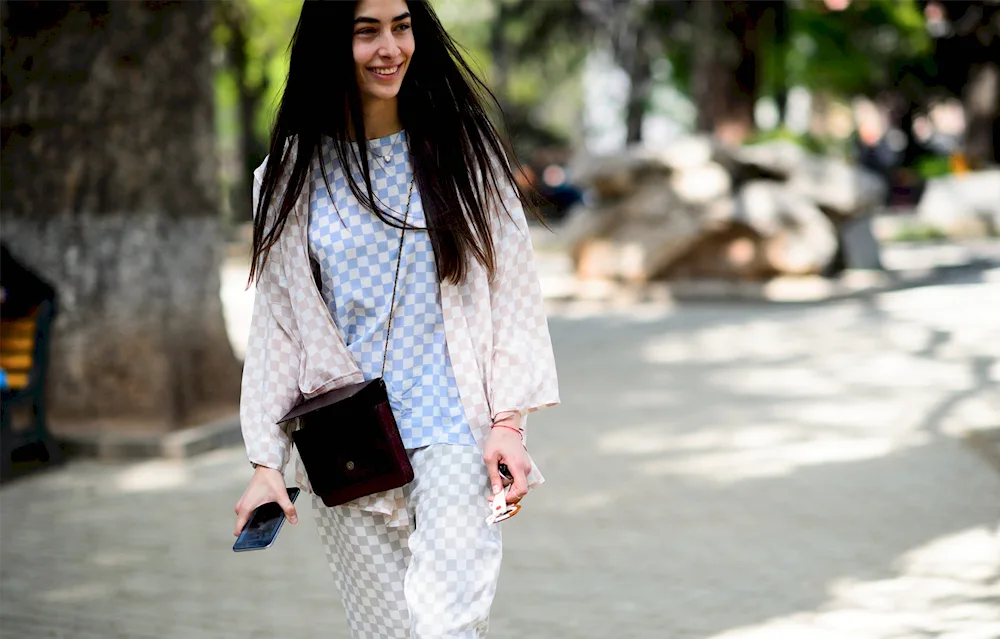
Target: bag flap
x=328, y=398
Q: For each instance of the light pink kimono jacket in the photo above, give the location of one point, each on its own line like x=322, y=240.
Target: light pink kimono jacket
x=496, y=331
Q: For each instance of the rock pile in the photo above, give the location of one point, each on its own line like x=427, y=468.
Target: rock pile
x=698, y=210
x=963, y=205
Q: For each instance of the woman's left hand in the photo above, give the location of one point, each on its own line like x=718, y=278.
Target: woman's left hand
x=504, y=445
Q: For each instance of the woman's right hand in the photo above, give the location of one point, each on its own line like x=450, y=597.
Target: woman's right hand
x=267, y=485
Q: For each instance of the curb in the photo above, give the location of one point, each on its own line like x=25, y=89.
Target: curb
x=111, y=446
x=852, y=285
x=779, y=291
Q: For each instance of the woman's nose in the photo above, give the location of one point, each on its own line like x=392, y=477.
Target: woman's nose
x=387, y=46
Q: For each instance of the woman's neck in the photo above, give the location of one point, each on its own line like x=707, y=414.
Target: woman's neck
x=381, y=118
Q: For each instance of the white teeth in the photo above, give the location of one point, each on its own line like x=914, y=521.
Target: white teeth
x=388, y=71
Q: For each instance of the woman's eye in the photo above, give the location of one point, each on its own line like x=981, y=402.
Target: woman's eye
x=364, y=32
x=403, y=27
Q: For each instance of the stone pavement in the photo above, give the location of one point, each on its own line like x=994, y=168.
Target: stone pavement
x=716, y=471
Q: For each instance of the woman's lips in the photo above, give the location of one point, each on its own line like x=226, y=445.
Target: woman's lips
x=380, y=72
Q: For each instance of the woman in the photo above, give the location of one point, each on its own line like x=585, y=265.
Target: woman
x=469, y=353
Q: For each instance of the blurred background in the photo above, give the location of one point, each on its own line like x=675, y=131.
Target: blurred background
x=771, y=259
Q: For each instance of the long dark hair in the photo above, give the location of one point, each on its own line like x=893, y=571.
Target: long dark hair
x=459, y=159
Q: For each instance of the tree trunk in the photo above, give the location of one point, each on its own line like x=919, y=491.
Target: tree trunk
x=778, y=66
x=627, y=26
x=967, y=59
x=736, y=123
x=633, y=43
x=640, y=86
x=110, y=191
x=249, y=101
x=500, y=50
x=704, y=65
x=982, y=109
x=725, y=67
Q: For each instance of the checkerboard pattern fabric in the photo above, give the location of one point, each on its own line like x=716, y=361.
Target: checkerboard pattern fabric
x=356, y=253
x=496, y=335
x=435, y=578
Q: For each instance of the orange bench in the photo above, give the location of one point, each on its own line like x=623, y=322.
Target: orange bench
x=24, y=350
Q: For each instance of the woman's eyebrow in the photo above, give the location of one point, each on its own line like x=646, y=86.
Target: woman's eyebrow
x=367, y=20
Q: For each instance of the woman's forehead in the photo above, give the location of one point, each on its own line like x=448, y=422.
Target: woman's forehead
x=381, y=10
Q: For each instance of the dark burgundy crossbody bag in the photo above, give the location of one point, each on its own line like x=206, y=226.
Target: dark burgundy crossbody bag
x=347, y=437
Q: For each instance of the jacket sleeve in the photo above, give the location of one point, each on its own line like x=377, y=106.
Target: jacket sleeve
x=270, y=385
x=523, y=371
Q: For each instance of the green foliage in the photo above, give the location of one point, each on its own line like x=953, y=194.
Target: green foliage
x=545, y=44
x=870, y=46
x=468, y=21
x=226, y=103
x=932, y=166
x=267, y=26
x=914, y=232
x=808, y=142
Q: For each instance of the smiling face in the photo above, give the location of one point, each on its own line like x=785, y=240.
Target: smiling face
x=383, y=46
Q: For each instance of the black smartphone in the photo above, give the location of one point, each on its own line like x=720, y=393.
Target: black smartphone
x=505, y=473
x=262, y=529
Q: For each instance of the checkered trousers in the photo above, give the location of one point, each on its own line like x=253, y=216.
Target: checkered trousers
x=435, y=578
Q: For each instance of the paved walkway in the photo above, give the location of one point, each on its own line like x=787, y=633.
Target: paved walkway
x=715, y=472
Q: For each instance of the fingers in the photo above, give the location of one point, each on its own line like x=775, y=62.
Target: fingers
x=493, y=468
x=242, y=517
x=519, y=488
x=287, y=506
x=265, y=487
x=278, y=493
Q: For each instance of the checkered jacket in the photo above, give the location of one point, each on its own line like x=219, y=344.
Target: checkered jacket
x=497, y=334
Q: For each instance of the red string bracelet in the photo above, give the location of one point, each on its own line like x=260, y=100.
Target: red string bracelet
x=516, y=430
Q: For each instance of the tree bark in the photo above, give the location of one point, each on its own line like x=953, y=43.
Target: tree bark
x=627, y=26
x=968, y=59
x=724, y=80
x=703, y=68
x=250, y=152
x=736, y=123
x=110, y=191
x=500, y=50
x=640, y=86
x=982, y=108
x=781, y=35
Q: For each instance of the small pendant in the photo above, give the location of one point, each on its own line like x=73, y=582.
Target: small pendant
x=387, y=158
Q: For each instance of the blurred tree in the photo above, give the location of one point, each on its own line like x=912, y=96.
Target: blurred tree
x=867, y=47
x=773, y=45
x=725, y=54
x=967, y=54
x=533, y=48
x=714, y=47
x=253, y=37
x=874, y=48
x=500, y=49
x=233, y=24
x=110, y=191
x=725, y=71
x=633, y=31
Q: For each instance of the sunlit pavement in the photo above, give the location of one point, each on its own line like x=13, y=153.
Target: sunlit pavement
x=716, y=471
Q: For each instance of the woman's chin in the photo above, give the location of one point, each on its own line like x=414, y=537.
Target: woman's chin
x=378, y=94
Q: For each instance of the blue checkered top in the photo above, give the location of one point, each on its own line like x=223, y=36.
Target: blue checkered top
x=356, y=253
